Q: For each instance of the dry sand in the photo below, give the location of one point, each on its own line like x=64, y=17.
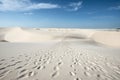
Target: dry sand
x=111, y=38
x=59, y=54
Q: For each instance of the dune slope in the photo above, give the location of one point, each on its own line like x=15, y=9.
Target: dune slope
x=110, y=38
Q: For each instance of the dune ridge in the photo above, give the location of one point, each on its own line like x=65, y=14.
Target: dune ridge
x=20, y=35
x=110, y=38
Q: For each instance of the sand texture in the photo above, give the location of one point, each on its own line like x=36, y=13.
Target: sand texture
x=59, y=54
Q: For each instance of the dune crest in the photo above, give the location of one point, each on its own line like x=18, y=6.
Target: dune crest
x=20, y=35
x=110, y=38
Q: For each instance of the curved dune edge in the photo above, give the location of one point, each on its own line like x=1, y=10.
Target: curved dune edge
x=107, y=38
x=20, y=35
x=110, y=38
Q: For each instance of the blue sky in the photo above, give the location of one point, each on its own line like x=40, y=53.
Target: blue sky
x=60, y=13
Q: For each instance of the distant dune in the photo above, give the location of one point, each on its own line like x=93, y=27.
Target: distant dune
x=20, y=35
x=110, y=38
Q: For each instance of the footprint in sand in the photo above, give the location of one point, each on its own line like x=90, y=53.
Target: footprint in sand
x=22, y=76
x=72, y=66
x=86, y=68
x=75, y=69
x=2, y=68
x=87, y=74
x=56, y=68
x=60, y=63
x=48, y=60
x=34, y=67
x=2, y=60
x=41, y=67
x=98, y=75
x=15, y=63
x=31, y=73
x=77, y=79
x=24, y=70
x=12, y=60
x=19, y=67
x=55, y=74
x=72, y=73
x=35, y=63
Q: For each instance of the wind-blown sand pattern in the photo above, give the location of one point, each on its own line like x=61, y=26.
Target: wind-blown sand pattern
x=58, y=54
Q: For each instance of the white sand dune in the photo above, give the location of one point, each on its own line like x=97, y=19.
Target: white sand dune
x=27, y=35
x=59, y=54
x=110, y=38
x=20, y=35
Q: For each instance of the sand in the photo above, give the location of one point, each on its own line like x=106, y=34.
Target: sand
x=59, y=54
x=111, y=38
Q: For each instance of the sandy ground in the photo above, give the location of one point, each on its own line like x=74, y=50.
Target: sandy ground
x=59, y=54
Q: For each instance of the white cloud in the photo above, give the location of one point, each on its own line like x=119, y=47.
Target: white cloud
x=115, y=8
x=24, y=5
x=27, y=5
x=75, y=6
x=42, y=6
